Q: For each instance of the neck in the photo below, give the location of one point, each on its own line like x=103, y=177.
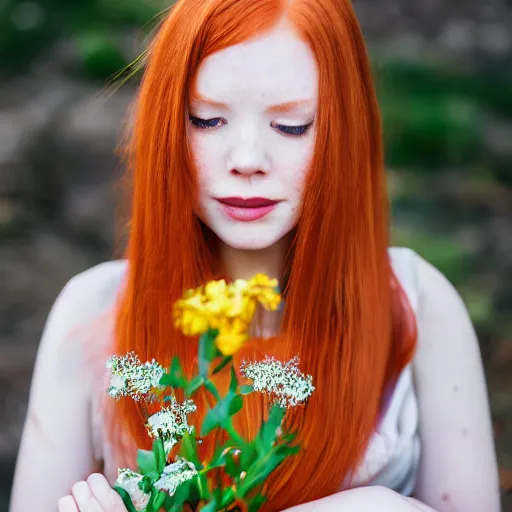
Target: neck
x=244, y=264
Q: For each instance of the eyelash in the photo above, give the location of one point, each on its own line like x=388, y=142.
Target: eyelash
x=295, y=131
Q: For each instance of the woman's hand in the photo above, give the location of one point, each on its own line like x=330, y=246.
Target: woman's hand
x=93, y=495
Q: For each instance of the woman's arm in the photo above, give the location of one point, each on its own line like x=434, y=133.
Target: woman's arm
x=55, y=450
x=364, y=499
x=458, y=469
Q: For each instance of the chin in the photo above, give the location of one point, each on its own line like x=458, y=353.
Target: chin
x=249, y=243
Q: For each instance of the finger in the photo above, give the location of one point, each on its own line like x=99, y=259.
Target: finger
x=67, y=504
x=106, y=496
x=84, y=499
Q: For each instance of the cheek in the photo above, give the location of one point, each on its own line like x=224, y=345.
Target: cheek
x=297, y=165
x=206, y=158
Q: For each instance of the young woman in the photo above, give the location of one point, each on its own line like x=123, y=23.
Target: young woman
x=257, y=148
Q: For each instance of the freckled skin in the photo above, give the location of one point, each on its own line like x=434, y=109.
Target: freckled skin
x=244, y=154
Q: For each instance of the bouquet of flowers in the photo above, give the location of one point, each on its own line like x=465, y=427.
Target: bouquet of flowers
x=220, y=314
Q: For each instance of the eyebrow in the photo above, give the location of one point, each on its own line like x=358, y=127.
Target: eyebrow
x=287, y=106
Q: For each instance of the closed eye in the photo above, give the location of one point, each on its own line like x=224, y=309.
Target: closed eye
x=204, y=123
x=294, y=130
x=216, y=121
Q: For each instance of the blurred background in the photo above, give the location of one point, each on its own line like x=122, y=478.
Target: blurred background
x=444, y=77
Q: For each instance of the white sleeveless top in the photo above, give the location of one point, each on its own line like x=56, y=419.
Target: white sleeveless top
x=393, y=452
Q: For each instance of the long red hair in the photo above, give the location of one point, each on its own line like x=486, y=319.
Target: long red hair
x=345, y=315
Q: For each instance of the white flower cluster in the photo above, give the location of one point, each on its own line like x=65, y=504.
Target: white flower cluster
x=170, y=423
x=129, y=481
x=175, y=474
x=129, y=377
x=171, y=477
x=283, y=382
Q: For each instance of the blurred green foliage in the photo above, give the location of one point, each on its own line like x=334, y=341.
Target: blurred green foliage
x=434, y=116
x=29, y=26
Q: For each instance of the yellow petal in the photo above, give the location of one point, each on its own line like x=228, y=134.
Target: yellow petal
x=269, y=299
x=230, y=343
x=239, y=286
x=215, y=289
x=262, y=280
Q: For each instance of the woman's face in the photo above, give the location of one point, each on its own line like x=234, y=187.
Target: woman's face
x=251, y=129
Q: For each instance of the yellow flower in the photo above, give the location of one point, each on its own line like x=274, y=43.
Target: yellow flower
x=215, y=290
x=268, y=298
x=262, y=280
x=263, y=289
x=230, y=343
x=232, y=335
x=191, y=323
x=240, y=304
x=190, y=315
x=225, y=307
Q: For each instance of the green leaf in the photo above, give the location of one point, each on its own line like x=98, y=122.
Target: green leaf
x=233, y=383
x=211, y=506
x=159, y=451
x=126, y=498
x=167, y=380
x=157, y=499
x=219, y=457
x=260, y=470
x=222, y=364
x=288, y=437
x=217, y=494
x=210, y=386
x=288, y=450
x=246, y=390
x=147, y=462
x=267, y=434
x=174, y=378
x=222, y=412
x=202, y=487
x=232, y=466
x=212, y=419
x=188, y=449
x=227, y=497
x=146, y=484
x=206, y=351
x=248, y=456
x=256, y=502
x=184, y=493
x=194, y=385
x=235, y=405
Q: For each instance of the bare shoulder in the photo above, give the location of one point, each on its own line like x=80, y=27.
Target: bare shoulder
x=99, y=283
x=56, y=439
x=81, y=303
x=458, y=469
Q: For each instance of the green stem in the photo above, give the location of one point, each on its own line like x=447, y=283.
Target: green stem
x=204, y=494
x=222, y=364
x=230, y=429
x=228, y=498
x=210, y=386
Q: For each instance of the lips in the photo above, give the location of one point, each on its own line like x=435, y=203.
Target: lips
x=251, y=202
x=247, y=210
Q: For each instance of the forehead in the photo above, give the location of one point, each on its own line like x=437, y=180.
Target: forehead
x=275, y=67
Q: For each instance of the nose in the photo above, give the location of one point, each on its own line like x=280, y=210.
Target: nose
x=248, y=154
